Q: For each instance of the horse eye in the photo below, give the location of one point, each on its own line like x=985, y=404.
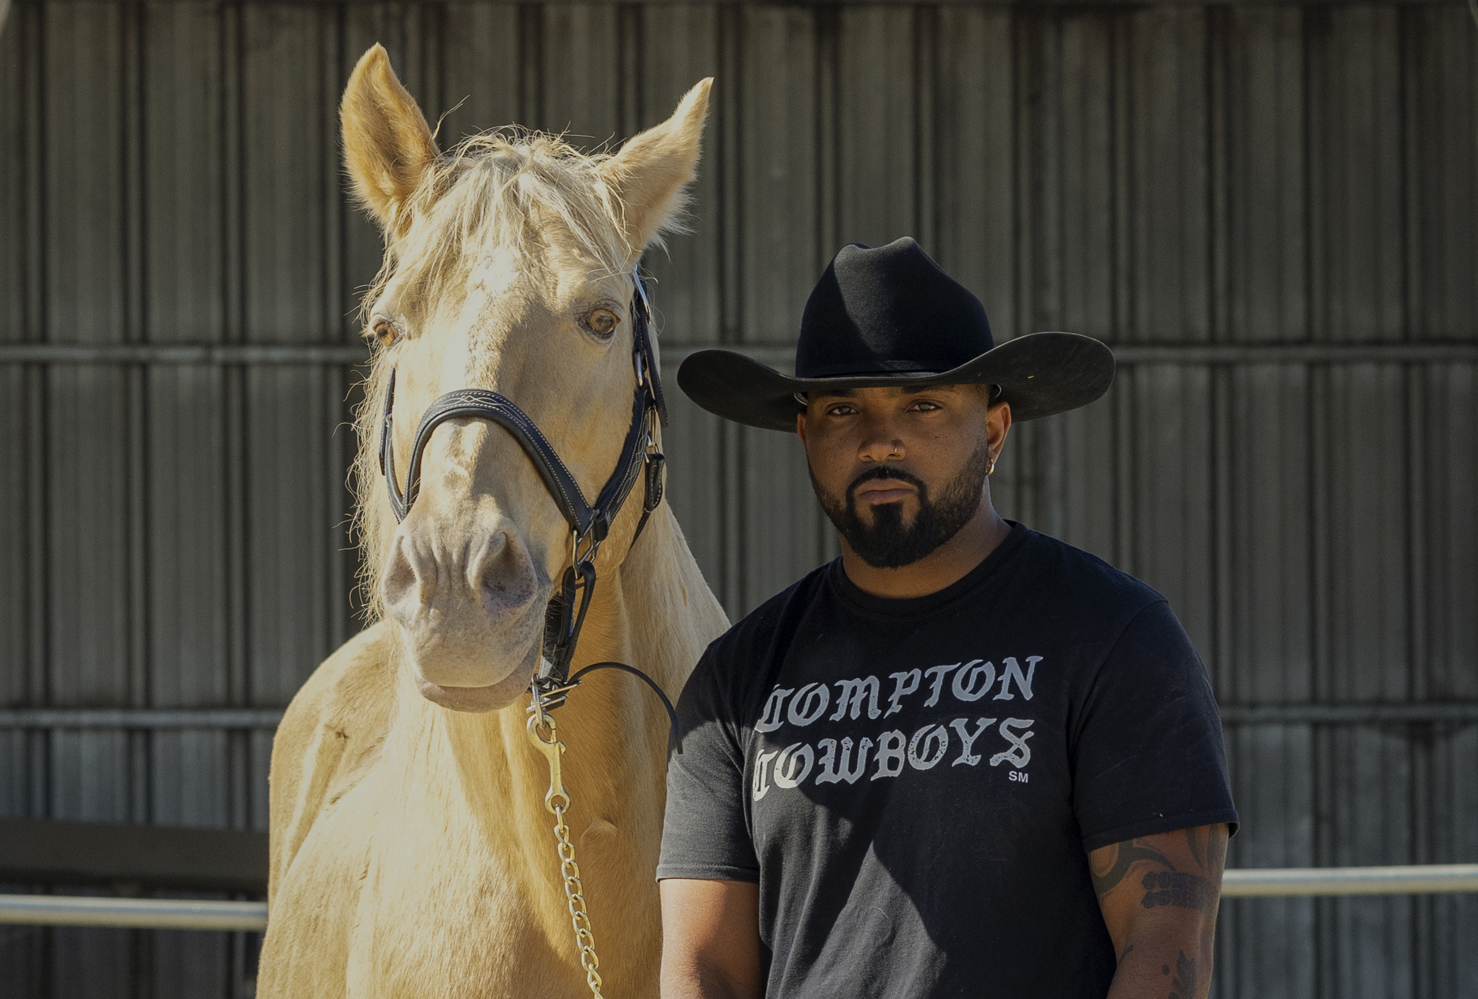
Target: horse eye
x=602, y=322
x=384, y=331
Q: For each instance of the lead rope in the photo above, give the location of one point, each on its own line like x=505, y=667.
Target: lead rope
x=557, y=800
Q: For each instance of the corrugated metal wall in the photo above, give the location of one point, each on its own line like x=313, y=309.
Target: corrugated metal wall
x=1270, y=211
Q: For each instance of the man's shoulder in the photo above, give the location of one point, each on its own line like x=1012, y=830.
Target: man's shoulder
x=1072, y=577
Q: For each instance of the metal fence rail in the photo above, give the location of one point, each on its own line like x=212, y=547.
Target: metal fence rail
x=1408, y=880
x=132, y=913
x=190, y=914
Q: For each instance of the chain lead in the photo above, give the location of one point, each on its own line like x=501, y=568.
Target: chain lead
x=557, y=801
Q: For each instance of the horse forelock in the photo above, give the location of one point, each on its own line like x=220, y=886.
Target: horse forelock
x=510, y=190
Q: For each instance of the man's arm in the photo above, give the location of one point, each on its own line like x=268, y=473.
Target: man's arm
x=710, y=940
x=1159, y=896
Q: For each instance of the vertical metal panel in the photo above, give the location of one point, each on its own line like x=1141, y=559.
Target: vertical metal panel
x=86, y=405
x=1263, y=158
x=184, y=422
x=480, y=66
x=1165, y=126
x=968, y=75
x=14, y=93
x=580, y=81
x=778, y=156
x=1441, y=111
x=1449, y=408
x=1266, y=654
x=1171, y=543
x=289, y=168
x=781, y=189
x=1357, y=279
x=21, y=955
x=1356, y=151
x=89, y=636
x=694, y=445
x=184, y=270
x=17, y=583
x=876, y=125
x=679, y=47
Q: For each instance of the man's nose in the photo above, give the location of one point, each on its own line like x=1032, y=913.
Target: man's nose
x=880, y=442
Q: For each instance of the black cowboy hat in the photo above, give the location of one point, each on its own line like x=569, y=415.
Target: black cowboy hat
x=891, y=316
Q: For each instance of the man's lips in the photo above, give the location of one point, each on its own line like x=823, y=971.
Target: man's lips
x=884, y=491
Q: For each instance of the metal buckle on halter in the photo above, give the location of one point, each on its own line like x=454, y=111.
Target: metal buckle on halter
x=641, y=370
x=592, y=540
x=547, y=695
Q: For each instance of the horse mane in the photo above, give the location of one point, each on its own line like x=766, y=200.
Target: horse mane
x=501, y=188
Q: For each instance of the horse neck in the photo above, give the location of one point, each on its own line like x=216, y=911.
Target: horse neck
x=653, y=612
x=661, y=614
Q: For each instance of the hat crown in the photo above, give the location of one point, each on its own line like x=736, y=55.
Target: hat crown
x=889, y=309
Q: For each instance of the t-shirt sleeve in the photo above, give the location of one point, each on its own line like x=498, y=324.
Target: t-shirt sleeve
x=1148, y=756
x=706, y=835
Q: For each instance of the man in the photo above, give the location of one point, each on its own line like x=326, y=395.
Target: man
x=964, y=759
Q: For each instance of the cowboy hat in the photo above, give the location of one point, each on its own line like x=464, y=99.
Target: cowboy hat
x=890, y=316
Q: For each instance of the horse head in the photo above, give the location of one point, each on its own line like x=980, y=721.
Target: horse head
x=509, y=268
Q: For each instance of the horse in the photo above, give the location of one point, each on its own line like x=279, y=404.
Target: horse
x=412, y=853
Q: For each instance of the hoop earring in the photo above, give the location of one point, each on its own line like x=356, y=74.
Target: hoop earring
x=991, y=469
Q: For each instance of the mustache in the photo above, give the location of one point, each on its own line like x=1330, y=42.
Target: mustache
x=884, y=472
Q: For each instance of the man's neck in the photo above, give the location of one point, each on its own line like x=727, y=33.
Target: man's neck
x=943, y=566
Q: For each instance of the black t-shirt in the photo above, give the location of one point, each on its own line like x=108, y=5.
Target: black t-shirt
x=914, y=784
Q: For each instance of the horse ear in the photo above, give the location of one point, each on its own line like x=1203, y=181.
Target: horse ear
x=651, y=172
x=387, y=144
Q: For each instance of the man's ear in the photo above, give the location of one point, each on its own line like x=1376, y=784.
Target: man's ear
x=649, y=175
x=387, y=144
x=997, y=424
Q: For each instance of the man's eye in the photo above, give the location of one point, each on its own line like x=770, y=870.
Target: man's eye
x=925, y=407
x=840, y=411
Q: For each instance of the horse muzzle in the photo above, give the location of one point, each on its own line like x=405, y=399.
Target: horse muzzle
x=470, y=605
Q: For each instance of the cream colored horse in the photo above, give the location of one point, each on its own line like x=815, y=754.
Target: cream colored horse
x=411, y=851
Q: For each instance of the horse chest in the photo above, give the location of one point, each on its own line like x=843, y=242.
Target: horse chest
x=413, y=894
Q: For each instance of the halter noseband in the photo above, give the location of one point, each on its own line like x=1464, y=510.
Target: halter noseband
x=589, y=522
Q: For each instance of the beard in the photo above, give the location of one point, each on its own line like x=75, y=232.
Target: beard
x=889, y=542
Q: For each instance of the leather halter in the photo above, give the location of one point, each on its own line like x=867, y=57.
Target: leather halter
x=589, y=522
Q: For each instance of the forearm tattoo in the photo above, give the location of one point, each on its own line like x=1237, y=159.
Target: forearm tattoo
x=1183, y=985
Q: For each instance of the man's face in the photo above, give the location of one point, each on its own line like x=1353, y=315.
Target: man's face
x=901, y=471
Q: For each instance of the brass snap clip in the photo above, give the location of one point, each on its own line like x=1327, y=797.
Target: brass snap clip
x=552, y=749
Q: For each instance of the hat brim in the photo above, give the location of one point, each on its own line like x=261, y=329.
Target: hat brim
x=1040, y=374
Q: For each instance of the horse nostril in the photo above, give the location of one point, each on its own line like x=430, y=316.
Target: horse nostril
x=408, y=576
x=504, y=576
